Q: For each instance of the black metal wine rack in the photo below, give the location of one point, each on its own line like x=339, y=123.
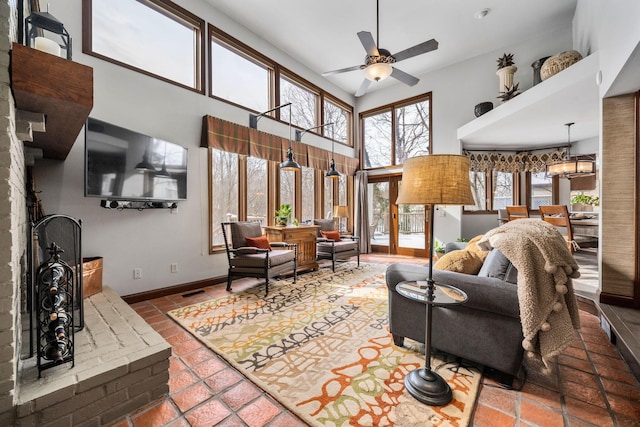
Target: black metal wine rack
x=54, y=298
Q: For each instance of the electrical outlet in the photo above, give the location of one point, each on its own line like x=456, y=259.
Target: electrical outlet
x=137, y=273
x=174, y=267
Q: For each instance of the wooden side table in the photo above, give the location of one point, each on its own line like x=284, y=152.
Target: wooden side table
x=304, y=236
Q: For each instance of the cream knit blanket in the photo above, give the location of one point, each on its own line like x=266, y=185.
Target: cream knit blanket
x=548, y=306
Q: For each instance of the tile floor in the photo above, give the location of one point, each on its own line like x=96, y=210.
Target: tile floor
x=590, y=384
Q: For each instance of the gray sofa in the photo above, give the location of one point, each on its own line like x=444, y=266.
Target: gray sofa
x=486, y=329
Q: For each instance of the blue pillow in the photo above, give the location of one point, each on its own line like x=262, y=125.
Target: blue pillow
x=497, y=265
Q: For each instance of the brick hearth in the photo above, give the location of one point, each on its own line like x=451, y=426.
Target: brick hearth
x=121, y=364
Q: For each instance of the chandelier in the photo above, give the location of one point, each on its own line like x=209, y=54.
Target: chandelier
x=571, y=167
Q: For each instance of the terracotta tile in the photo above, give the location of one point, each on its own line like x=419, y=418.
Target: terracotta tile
x=499, y=399
x=580, y=364
x=179, y=338
x=181, y=381
x=196, y=357
x=540, y=415
x=259, y=413
x=613, y=362
x=577, y=376
x=623, y=376
x=624, y=406
x=546, y=381
x=240, y=395
x=233, y=421
x=171, y=331
x=186, y=347
x=587, y=412
x=176, y=365
x=607, y=350
x=154, y=318
x=192, y=396
x=484, y=416
x=598, y=338
x=629, y=391
x=158, y=415
x=180, y=422
x=209, y=367
x=224, y=379
x=581, y=392
x=120, y=423
x=575, y=352
x=541, y=395
x=576, y=422
x=209, y=414
x=287, y=420
x=624, y=421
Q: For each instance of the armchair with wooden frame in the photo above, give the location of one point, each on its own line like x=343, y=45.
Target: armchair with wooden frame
x=250, y=254
x=517, y=212
x=334, y=246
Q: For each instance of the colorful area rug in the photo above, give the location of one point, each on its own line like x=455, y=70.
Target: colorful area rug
x=321, y=347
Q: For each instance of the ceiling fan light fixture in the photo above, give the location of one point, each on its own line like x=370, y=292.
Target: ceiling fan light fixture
x=378, y=71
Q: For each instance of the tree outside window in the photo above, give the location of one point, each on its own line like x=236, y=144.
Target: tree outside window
x=224, y=191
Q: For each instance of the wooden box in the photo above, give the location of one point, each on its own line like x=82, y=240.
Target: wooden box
x=91, y=276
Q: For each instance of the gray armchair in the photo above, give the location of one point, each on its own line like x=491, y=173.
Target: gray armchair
x=344, y=249
x=486, y=329
x=249, y=261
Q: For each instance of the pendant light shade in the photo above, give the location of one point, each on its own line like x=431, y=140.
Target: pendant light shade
x=145, y=165
x=332, y=172
x=290, y=164
x=571, y=167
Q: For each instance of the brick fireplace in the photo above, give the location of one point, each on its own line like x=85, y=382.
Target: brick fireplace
x=120, y=363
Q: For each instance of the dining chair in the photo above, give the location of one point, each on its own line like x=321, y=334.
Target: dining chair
x=517, y=212
x=558, y=215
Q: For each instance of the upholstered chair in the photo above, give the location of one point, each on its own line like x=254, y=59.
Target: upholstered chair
x=251, y=255
x=334, y=246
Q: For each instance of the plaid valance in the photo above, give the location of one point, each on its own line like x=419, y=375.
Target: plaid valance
x=513, y=162
x=234, y=138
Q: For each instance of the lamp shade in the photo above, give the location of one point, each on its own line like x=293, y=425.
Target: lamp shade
x=436, y=179
x=378, y=71
x=571, y=168
x=340, y=212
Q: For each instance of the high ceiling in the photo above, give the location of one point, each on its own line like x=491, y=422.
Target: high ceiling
x=322, y=34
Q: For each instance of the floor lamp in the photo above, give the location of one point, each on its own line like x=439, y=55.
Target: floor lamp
x=437, y=179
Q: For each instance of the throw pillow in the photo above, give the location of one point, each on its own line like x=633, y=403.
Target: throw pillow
x=258, y=242
x=461, y=261
x=497, y=265
x=473, y=247
x=333, y=235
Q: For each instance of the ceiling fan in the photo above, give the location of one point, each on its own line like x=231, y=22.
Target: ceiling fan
x=377, y=63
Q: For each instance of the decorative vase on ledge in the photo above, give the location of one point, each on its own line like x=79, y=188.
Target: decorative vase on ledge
x=537, y=65
x=559, y=62
x=482, y=108
x=505, y=75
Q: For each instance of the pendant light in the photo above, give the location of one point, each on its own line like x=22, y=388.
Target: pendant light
x=145, y=165
x=290, y=164
x=163, y=172
x=570, y=168
x=332, y=172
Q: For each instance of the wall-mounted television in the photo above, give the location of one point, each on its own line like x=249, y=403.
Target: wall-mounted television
x=121, y=164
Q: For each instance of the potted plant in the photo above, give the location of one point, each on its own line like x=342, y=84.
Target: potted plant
x=583, y=202
x=283, y=215
x=506, y=70
x=439, y=249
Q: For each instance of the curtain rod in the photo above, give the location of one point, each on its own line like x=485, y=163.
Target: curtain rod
x=549, y=147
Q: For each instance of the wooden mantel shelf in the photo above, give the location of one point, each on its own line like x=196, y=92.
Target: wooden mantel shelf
x=60, y=89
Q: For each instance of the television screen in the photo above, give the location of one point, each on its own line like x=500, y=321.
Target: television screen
x=121, y=164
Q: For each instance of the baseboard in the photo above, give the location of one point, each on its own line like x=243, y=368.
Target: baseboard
x=619, y=300
x=170, y=290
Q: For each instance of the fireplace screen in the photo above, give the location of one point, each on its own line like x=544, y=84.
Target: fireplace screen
x=55, y=295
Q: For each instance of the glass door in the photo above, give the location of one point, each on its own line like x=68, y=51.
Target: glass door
x=395, y=229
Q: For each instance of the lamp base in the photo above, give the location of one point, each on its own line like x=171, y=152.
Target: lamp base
x=428, y=387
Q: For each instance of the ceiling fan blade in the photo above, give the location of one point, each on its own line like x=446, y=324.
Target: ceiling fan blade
x=405, y=78
x=363, y=87
x=342, y=70
x=369, y=44
x=416, y=50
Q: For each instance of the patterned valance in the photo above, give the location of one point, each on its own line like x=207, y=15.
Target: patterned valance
x=235, y=138
x=513, y=162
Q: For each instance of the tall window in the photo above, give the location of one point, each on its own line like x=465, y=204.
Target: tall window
x=377, y=140
x=308, y=194
x=397, y=132
x=541, y=190
x=491, y=191
x=303, y=104
x=288, y=189
x=341, y=119
x=154, y=36
x=238, y=78
x=327, y=211
x=224, y=191
x=257, y=195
